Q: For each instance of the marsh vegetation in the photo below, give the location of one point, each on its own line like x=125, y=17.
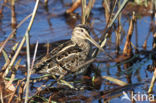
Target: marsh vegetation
x=125, y=29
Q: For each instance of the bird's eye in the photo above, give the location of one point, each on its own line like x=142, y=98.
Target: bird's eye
x=81, y=30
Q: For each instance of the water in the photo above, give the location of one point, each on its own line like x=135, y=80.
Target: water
x=52, y=25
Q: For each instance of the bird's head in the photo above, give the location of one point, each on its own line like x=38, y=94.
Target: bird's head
x=82, y=32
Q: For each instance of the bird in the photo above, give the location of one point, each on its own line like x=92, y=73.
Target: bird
x=66, y=57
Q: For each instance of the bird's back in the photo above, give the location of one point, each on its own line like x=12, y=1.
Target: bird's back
x=63, y=59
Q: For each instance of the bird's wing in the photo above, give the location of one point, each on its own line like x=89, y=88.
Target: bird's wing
x=58, y=52
x=61, y=48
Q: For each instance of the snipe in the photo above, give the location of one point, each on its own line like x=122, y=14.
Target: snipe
x=68, y=56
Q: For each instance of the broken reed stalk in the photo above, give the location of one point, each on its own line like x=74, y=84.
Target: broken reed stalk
x=152, y=82
x=48, y=48
x=118, y=32
x=89, y=7
x=128, y=48
x=83, y=13
x=13, y=15
x=76, y=4
x=21, y=92
x=148, y=35
x=28, y=49
x=86, y=10
x=107, y=10
x=114, y=80
x=154, y=49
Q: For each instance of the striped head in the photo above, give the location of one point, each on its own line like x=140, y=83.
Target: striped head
x=82, y=33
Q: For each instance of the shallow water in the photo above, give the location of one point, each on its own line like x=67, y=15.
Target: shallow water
x=52, y=25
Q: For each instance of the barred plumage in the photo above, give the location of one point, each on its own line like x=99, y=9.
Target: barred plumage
x=68, y=56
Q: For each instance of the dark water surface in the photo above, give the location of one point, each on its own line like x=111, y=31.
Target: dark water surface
x=52, y=25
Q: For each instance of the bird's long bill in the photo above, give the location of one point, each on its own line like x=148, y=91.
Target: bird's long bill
x=95, y=43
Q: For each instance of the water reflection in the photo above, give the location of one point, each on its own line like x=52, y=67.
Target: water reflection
x=53, y=24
